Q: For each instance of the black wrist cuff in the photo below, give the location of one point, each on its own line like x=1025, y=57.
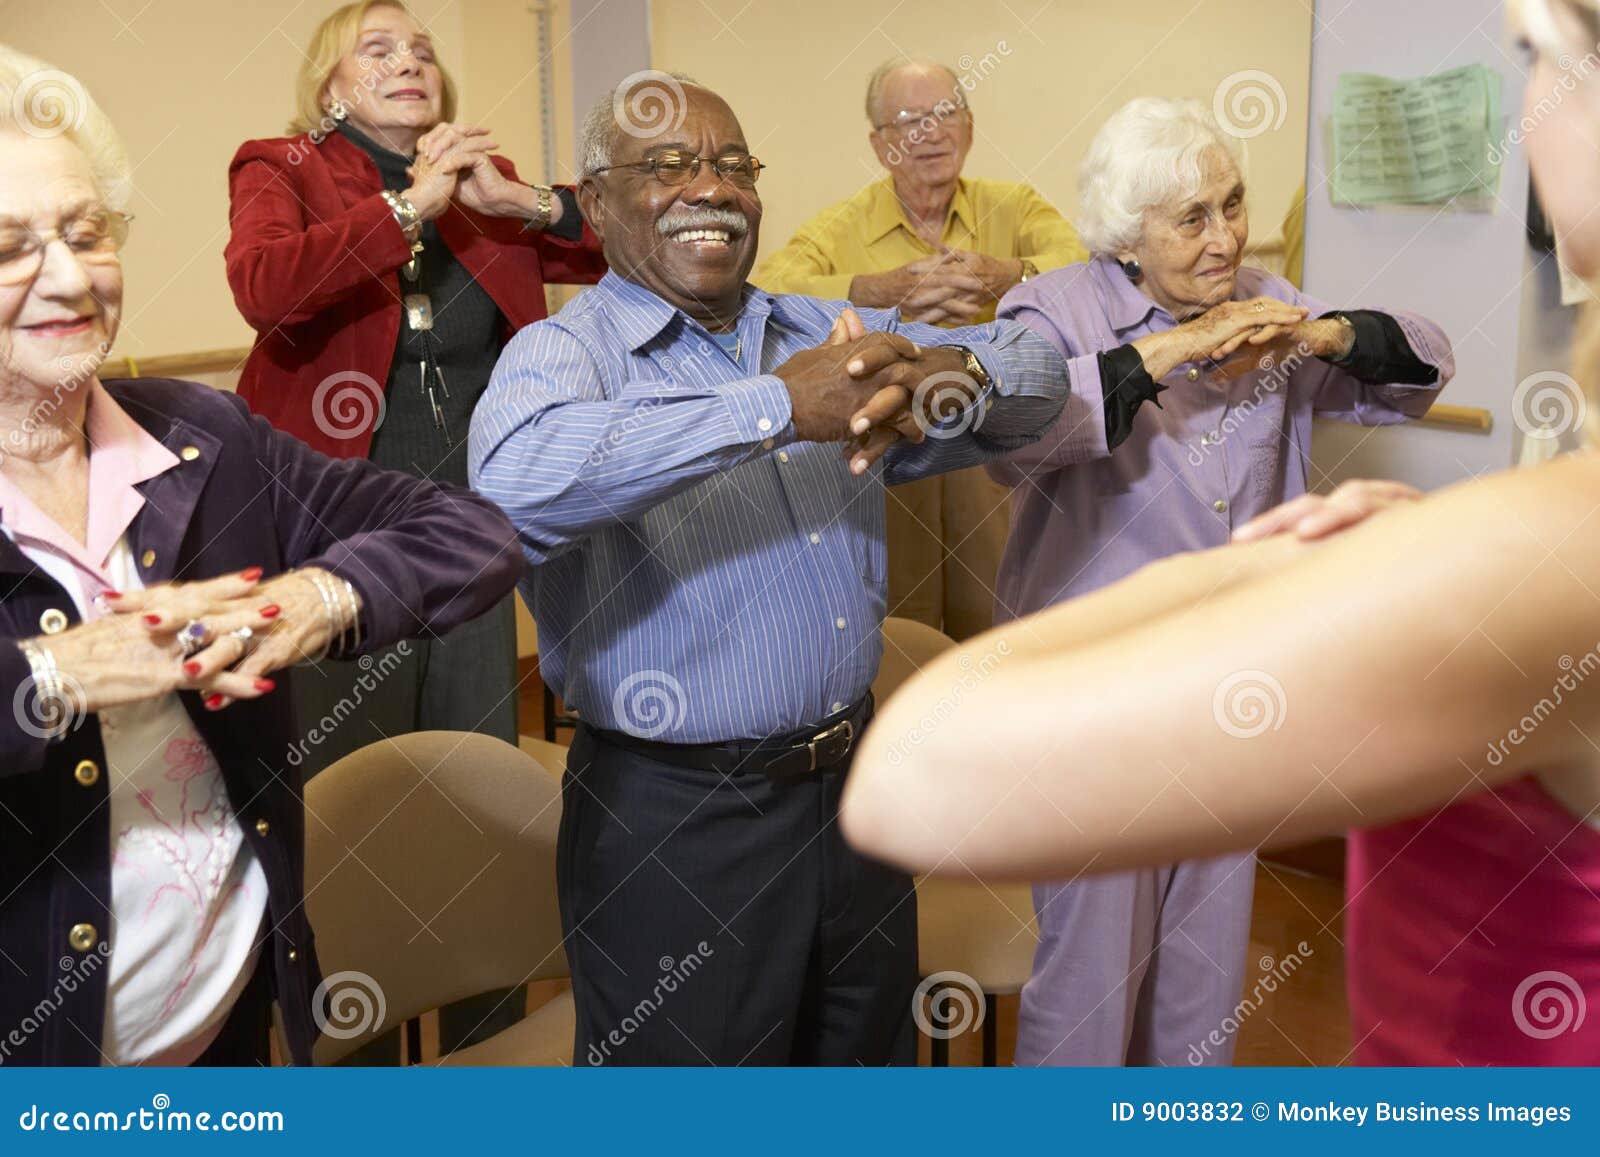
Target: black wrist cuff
x=570, y=227
x=1380, y=353
x=1125, y=386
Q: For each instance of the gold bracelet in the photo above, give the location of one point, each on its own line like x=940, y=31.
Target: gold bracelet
x=545, y=208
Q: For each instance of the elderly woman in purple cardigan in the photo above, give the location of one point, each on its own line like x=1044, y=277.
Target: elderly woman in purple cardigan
x=165, y=559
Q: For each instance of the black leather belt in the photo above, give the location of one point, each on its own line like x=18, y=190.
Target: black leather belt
x=790, y=756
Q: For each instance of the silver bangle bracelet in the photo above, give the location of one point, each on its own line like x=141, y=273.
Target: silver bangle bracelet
x=49, y=689
x=355, y=614
x=343, y=606
x=316, y=580
x=405, y=214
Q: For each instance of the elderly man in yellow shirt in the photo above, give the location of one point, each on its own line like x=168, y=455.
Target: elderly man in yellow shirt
x=940, y=248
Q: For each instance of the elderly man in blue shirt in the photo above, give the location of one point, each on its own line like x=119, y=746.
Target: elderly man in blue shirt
x=695, y=468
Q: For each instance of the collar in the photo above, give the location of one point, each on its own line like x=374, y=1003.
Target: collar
x=353, y=170
x=884, y=214
x=122, y=454
x=1126, y=308
x=641, y=316
x=391, y=165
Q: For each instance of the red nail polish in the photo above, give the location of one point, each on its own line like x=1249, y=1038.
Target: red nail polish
x=265, y=685
x=250, y=575
x=153, y=620
x=271, y=611
x=213, y=701
x=192, y=667
x=113, y=594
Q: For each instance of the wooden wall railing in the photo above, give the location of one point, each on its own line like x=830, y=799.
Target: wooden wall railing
x=223, y=361
x=1459, y=417
x=176, y=365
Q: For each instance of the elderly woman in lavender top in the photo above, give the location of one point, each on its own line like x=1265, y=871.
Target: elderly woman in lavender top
x=1194, y=385
x=165, y=558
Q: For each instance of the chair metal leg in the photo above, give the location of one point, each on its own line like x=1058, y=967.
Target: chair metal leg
x=939, y=1038
x=554, y=719
x=991, y=1030
x=549, y=713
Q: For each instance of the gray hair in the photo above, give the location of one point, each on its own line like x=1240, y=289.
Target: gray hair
x=1148, y=153
x=44, y=102
x=656, y=98
x=880, y=76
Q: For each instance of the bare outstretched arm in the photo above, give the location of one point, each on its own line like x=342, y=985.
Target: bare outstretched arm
x=1257, y=694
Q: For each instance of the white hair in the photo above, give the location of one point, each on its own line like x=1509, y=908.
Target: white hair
x=880, y=76
x=1150, y=152
x=44, y=102
x=652, y=96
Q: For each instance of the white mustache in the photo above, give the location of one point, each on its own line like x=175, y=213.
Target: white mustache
x=737, y=224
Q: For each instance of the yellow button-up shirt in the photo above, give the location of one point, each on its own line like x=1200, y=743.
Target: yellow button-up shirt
x=869, y=233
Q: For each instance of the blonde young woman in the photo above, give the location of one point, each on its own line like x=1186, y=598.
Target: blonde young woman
x=1429, y=676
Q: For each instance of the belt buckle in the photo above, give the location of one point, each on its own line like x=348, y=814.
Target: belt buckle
x=843, y=727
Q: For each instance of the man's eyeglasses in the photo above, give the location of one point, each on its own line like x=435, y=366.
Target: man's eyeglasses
x=95, y=238
x=942, y=114
x=679, y=168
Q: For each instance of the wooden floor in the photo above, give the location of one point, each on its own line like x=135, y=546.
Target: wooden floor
x=1302, y=1021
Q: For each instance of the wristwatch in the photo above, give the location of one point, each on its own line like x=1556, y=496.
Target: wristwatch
x=1350, y=327
x=973, y=368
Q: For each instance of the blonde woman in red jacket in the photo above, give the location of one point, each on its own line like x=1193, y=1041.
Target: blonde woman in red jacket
x=384, y=254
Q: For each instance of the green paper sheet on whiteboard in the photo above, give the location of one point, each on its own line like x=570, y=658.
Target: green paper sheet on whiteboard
x=1415, y=141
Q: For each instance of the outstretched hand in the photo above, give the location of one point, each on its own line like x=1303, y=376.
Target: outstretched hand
x=1316, y=516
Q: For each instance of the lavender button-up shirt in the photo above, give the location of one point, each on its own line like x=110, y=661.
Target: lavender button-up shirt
x=1218, y=450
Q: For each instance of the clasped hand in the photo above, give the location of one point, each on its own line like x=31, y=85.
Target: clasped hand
x=871, y=390
x=457, y=161
x=247, y=629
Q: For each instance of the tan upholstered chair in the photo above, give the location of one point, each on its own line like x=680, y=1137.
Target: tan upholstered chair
x=979, y=937
x=550, y=756
x=907, y=646
x=430, y=876
x=985, y=933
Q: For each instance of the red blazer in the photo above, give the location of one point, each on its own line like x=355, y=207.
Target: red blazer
x=314, y=262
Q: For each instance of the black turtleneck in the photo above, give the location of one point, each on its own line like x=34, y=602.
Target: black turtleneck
x=468, y=334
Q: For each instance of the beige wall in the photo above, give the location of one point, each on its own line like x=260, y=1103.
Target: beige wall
x=187, y=80
x=795, y=74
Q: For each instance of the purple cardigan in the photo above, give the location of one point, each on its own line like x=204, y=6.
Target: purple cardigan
x=423, y=557
x=1211, y=454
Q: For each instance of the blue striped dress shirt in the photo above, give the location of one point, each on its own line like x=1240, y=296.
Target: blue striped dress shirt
x=698, y=574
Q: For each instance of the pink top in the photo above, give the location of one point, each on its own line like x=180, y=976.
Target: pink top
x=122, y=455
x=1473, y=935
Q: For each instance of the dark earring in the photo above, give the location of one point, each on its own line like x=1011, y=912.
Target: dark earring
x=1131, y=268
